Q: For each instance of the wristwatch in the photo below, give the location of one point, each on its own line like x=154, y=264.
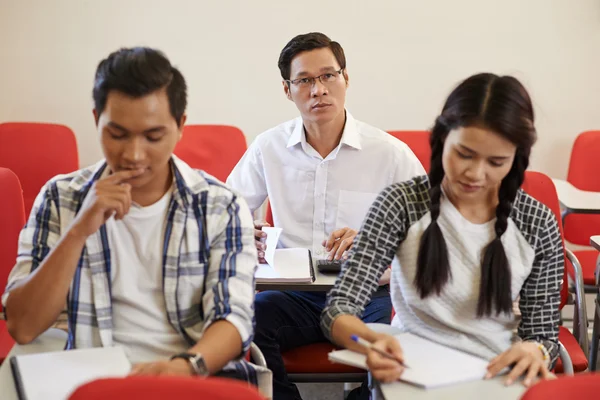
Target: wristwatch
x=196, y=362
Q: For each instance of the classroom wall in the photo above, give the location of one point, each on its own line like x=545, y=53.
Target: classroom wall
x=403, y=58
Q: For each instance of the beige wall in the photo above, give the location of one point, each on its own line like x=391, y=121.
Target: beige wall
x=403, y=58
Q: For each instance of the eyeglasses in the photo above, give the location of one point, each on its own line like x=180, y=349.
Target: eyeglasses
x=326, y=78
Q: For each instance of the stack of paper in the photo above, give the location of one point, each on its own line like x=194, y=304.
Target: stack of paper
x=284, y=265
x=429, y=364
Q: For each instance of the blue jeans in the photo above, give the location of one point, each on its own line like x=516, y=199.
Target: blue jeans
x=286, y=320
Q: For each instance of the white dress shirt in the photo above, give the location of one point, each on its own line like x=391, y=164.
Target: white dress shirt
x=311, y=196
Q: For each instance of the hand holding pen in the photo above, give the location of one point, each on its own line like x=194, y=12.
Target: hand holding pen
x=384, y=358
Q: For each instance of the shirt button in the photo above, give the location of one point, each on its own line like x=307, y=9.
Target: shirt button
x=319, y=252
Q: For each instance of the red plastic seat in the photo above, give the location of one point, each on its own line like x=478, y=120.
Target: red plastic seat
x=579, y=227
x=580, y=387
x=312, y=359
x=541, y=188
x=165, y=387
x=418, y=141
x=36, y=152
x=12, y=219
x=215, y=149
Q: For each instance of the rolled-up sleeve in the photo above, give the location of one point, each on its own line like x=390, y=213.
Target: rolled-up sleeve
x=230, y=282
x=372, y=252
x=37, y=238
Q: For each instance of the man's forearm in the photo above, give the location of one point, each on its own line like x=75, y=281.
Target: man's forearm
x=35, y=302
x=220, y=343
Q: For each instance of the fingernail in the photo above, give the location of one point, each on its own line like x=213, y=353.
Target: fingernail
x=509, y=382
x=527, y=382
x=487, y=376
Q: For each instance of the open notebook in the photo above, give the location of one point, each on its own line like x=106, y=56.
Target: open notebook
x=284, y=265
x=55, y=375
x=429, y=364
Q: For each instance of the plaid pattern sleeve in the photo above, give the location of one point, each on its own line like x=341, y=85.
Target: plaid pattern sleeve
x=37, y=238
x=229, y=291
x=540, y=295
x=383, y=230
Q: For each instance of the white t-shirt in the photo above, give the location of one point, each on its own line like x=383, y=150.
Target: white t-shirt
x=140, y=318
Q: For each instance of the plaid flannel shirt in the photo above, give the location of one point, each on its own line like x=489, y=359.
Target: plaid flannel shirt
x=209, y=260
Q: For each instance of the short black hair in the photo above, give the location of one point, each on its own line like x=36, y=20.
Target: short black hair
x=307, y=42
x=136, y=72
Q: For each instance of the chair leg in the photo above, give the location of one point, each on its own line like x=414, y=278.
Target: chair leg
x=593, y=357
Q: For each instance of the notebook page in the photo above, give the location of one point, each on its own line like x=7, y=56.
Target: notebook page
x=55, y=375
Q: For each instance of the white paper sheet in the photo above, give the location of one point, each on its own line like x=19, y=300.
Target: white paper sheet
x=429, y=364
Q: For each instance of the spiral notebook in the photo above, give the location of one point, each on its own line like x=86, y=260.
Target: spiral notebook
x=284, y=265
x=55, y=375
x=430, y=364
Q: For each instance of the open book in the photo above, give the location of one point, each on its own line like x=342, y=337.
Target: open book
x=55, y=375
x=284, y=265
x=429, y=364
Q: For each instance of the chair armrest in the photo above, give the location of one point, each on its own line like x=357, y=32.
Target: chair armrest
x=582, y=322
x=257, y=356
x=566, y=359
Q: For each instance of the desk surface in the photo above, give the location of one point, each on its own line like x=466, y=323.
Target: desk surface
x=595, y=242
x=51, y=340
x=493, y=389
x=575, y=200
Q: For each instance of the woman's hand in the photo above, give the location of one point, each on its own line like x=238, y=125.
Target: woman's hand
x=385, y=369
x=527, y=358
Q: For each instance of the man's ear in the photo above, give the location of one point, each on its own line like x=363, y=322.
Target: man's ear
x=181, y=124
x=346, y=77
x=286, y=89
x=96, y=116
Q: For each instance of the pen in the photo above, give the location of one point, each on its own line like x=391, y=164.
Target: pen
x=370, y=346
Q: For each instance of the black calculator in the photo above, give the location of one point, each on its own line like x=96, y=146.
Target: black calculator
x=329, y=266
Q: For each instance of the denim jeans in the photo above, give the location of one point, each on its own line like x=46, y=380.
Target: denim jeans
x=286, y=320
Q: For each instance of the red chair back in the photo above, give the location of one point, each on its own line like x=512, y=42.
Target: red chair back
x=580, y=387
x=165, y=387
x=540, y=187
x=12, y=220
x=585, y=160
x=36, y=152
x=215, y=149
x=418, y=141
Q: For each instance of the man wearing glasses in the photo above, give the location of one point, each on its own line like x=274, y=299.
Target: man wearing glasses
x=320, y=172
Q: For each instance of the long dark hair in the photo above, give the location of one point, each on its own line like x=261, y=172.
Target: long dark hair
x=501, y=104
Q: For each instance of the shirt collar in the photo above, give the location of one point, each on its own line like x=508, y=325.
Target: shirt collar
x=350, y=135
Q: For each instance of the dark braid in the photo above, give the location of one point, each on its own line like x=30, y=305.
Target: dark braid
x=495, y=289
x=433, y=268
x=503, y=106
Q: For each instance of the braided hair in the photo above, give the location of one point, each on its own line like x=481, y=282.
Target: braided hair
x=503, y=105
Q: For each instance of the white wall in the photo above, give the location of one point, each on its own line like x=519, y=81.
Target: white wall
x=403, y=58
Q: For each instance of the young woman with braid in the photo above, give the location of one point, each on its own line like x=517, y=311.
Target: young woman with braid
x=464, y=243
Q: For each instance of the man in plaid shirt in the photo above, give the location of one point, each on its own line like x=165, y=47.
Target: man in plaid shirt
x=149, y=254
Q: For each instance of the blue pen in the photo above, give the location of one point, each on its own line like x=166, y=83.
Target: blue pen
x=370, y=346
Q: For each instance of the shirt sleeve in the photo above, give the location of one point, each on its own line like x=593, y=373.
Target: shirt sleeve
x=37, y=238
x=540, y=295
x=372, y=252
x=408, y=165
x=230, y=282
x=248, y=178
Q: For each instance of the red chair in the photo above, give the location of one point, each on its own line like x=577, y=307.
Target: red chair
x=215, y=149
x=165, y=387
x=418, y=141
x=12, y=219
x=580, y=387
x=37, y=152
x=579, y=227
x=574, y=345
